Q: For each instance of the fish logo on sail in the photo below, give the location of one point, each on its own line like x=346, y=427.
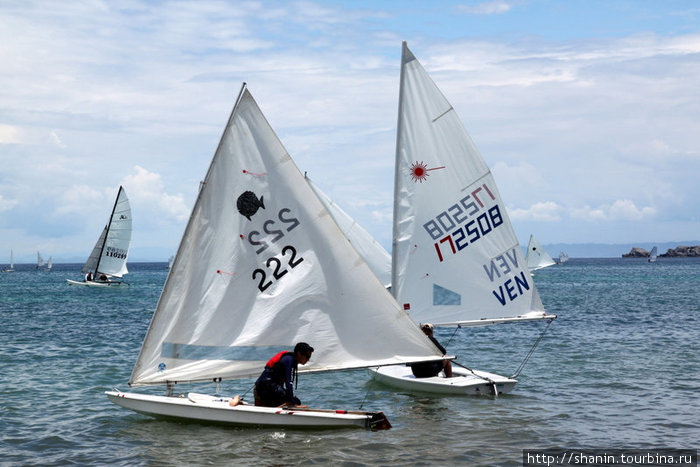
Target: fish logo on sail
x=249, y=203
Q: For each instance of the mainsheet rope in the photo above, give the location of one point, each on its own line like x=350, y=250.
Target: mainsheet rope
x=532, y=350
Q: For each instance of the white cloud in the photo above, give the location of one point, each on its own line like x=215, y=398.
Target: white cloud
x=6, y=204
x=9, y=134
x=486, y=8
x=547, y=211
x=624, y=210
x=80, y=198
x=146, y=190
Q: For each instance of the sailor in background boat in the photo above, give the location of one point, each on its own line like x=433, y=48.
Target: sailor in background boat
x=430, y=369
x=88, y=277
x=275, y=386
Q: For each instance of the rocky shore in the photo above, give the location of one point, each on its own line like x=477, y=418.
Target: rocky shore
x=679, y=251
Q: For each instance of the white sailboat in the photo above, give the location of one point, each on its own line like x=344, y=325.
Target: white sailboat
x=39, y=261
x=653, y=254
x=378, y=259
x=563, y=257
x=456, y=259
x=49, y=264
x=536, y=256
x=261, y=266
x=11, y=267
x=108, y=257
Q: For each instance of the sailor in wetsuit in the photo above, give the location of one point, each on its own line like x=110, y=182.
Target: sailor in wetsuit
x=274, y=387
x=430, y=369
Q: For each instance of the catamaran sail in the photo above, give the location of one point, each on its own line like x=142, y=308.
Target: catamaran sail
x=456, y=259
x=109, y=255
x=261, y=266
x=378, y=259
x=536, y=256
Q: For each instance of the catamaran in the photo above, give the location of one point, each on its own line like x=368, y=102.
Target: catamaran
x=261, y=266
x=456, y=259
x=108, y=258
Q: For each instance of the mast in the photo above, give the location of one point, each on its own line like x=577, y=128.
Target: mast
x=399, y=132
x=109, y=224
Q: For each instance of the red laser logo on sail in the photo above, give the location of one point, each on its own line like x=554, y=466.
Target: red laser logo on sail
x=419, y=171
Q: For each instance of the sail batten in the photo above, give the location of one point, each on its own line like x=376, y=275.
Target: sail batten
x=261, y=266
x=456, y=258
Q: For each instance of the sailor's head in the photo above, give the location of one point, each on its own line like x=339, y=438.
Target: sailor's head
x=303, y=352
x=427, y=328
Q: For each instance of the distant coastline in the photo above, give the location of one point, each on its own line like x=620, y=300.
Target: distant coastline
x=678, y=252
x=161, y=254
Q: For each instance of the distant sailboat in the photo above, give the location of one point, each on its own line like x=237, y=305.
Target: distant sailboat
x=49, y=264
x=563, y=257
x=536, y=256
x=652, y=255
x=262, y=265
x=456, y=259
x=11, y=268
x=108, y=257
x=39, y=260
x=170, y=262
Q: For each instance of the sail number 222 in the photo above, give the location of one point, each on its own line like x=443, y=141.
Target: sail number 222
x=276, y=267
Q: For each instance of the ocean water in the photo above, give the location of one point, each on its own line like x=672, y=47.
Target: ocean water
x=619, y=368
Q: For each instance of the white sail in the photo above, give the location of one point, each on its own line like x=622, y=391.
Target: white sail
x=11, y=268
x=378, y=259
x=49, y=264
x=39, y=260
x=111, y=250
x=536, y=256
x=563, y=257
x=456, y=259
x=261, y=266
x=653, y=255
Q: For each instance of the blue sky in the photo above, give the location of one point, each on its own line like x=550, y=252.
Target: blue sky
x=586, y=111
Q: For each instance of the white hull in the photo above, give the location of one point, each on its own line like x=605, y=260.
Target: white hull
x=213, y=409
x=463, y=382
x=96, y=284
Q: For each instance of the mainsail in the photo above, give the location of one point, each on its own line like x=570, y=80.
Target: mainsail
x=536, y=256
x=262, y=265
x=112, y=247
x=456, y=259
